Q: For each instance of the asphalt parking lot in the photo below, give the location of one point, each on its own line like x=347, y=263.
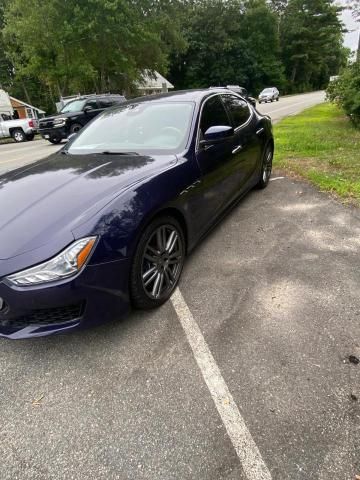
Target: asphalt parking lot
x=252, y=355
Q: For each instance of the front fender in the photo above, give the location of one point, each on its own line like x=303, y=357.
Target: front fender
x=120, y=224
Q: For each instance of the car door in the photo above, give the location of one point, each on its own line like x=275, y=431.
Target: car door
x=216, y=161
x=1, y=127
x=246, y=143
x=90, y=110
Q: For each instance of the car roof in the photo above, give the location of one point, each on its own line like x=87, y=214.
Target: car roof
x=196, y=95
x=97, y=95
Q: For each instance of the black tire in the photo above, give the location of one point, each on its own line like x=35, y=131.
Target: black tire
x=18, y=135
x=277, y=99
x=55, y=139
x=266, y=167
x=155, y=269
x=30, y=137
x=75, y=127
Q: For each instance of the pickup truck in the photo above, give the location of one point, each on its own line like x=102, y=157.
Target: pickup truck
x=19, y=130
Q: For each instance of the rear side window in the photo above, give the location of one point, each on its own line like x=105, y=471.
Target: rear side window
x=118, y=99
x=238, y=109
x=213, y=114
x=105, y=102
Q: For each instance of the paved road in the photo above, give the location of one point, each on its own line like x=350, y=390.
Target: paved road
x=15, y=155
x=279, y=311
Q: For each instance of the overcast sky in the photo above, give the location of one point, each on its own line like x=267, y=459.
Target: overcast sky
x=351, y=38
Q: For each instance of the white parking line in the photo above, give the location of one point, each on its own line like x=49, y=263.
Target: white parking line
x=276, y=178
x=246, y=449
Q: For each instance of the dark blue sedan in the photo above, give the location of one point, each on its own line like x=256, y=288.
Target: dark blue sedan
x=107, y=222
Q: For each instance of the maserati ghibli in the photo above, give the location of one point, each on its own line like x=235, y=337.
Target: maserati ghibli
x=106, y=223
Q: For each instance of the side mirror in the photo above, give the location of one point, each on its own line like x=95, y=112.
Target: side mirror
x=88, y=109
x=70, y=137
x=252, y=100
x=217, y=134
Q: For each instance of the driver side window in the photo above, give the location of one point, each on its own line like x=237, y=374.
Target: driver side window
x=213, y=114
x=92, y=104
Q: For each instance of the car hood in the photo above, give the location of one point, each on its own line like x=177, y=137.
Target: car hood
x=45, y=202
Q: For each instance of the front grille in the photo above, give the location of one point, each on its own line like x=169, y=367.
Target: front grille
x=48, y=124
x=45, y=316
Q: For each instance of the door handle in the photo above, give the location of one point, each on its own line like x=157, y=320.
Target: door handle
x=237, y=149
x=260, y=131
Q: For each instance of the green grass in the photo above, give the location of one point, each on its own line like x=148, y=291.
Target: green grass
x=322, y=146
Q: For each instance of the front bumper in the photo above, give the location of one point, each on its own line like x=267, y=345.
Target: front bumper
x=48, y=133
x=98, y=294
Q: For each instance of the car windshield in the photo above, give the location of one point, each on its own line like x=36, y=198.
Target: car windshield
x=267, y=90
x=149, y=127
x=73, y=106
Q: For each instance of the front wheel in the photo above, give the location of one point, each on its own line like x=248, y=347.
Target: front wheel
x=55, y=139
x=18, y=135
x=158, y=263
x=266, y=167
x=75, y=128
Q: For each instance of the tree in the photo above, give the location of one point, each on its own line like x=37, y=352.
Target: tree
x=311, y=39
x=346, y=92
x=229, y=42
x=354, y=5
x=88, y=45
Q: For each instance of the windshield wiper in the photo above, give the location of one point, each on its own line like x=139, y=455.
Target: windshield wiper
x=114, y=152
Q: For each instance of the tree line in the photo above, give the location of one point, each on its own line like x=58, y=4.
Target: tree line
x=62, y=47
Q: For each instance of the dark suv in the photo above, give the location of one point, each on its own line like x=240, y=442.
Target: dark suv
x=74, y=115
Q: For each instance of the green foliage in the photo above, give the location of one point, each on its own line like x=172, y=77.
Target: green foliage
x=61, y=47
x=346, y=91
x=311, y=39
x=229, y=42
x=88, y=45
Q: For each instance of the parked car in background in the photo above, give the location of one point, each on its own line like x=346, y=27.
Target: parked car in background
x=19, y=130
x=110, y=218
x=75, y=115
x=269, y=95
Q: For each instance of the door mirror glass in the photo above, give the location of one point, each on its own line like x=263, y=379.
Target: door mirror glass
x=88, y=108
x=252, y=101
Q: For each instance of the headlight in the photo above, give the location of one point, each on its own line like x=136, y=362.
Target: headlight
x=67, y=263
x=59, y=122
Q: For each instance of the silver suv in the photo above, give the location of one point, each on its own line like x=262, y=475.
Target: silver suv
x=269, y=95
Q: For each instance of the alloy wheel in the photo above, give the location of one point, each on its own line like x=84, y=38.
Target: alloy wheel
x=162, y=261
x=267, y=165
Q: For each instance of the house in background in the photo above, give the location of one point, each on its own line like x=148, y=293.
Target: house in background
x=150, y=84
x=5, y=104
x=24, y=110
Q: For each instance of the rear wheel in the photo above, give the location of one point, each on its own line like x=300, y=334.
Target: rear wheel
x=30, y=137
x=266, y=167
x=158, y=263
x=18, y=135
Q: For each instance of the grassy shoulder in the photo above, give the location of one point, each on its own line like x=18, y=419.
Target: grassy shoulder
x=321, y=145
